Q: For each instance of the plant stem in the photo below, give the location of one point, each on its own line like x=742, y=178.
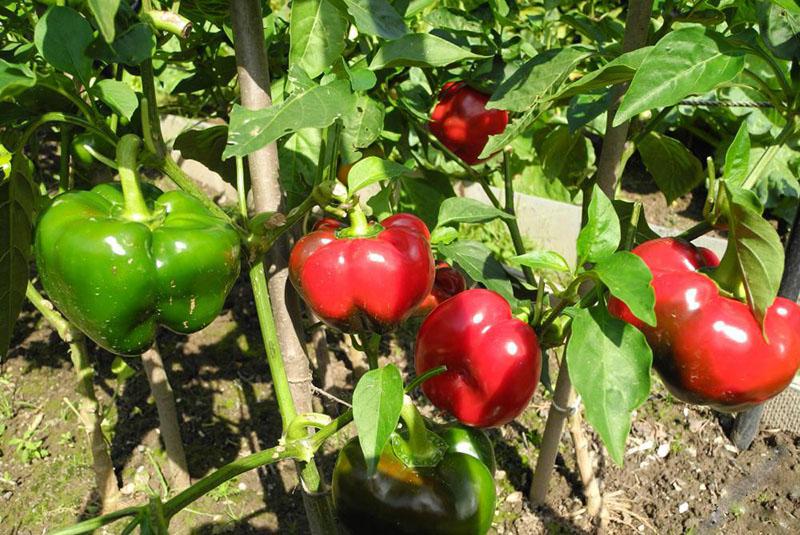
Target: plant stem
x=127, y=163
x=64, y=178
x=89, y=408
x=167, y=417
x=168, y=166
x=637, y=25
x=272, y=346
x=552, y=436
x=93, y=524
x=418, y=439
x=766, y=157
x=418, y=380
x=151, y=123
x=512, y=224
x=254, y=83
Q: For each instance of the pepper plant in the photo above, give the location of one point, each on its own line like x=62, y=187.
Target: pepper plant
x=399, y=102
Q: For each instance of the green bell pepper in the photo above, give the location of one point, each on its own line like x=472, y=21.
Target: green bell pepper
x=118, y=263
x=425, y=482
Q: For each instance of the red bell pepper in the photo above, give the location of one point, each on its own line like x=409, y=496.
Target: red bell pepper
x=369, y=279
x=447, y=283
x=709, y=349
x=493, y=359
x=462, y=123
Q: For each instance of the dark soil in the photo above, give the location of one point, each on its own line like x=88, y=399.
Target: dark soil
x=681, y=474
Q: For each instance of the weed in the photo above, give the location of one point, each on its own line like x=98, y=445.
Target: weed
x=29, y=448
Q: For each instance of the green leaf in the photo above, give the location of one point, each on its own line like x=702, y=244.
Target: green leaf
x=674, y=168
x=478, y=263
x=687, y=61
x=14, y=79
x=61, y=37
x=381, y=204
x=789, y=5
x=316, y=107
x=131, y=47
x=376, y=17
x=443, y=235
x=516, y=127
x=299, y=156
x=566, y=156
x=583, y=109
x=377, y=401
x=363, y=124
x=206, y=146
x=644, y=233
x=464, y=210
x=362, y=79
x=419, y=50
x=17, y=198
x=424, y=196
x=737, y=157
x=609, y=363
x=529, y=84
x=317, y=33
x=629, y=279
x=759, y=254
x=542, y=260
x=104, y=12
x=617, y=71
x=599, y=238
x=118, y=95
x=371, y=170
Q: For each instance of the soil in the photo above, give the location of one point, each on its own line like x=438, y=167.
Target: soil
x=681, y=474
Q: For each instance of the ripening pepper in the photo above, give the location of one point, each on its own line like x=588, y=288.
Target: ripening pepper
x=493, y=359
x=462, y=123
x=366, y=277
x=117, y=264
x=429, y=482
x=707, y=348
x=446, y=283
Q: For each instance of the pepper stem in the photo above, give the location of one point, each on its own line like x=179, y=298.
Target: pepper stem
x=359, y=226
x=127, y=153
x=419, y=439
x=727, y=274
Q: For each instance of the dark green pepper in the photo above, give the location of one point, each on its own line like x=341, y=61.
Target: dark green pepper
x=453, y=494
x=117, y=264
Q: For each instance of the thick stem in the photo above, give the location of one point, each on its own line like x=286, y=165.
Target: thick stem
x=585, y=461
x=254, y=85
x=418, y=438
x=151, y=123
x=167, y=417
x=169, y=22
x=283, y=394
x=127, y=162
x=745, y=427
x=176, y=174
x=512, y=224
x=637, y=25
x=89, y=408
x=552, y=436
x=359, y=226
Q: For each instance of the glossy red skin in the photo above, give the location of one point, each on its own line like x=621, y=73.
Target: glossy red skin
x=462, y=123
x=709, y=349
x=447, y=283
x=365, y=284
x=328, y=223
x=493, y=359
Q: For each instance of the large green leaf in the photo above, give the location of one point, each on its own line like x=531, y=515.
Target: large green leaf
x=316, y=107
x=687, y=61
x=14, y=79
x=363, y=124
x=759, y=254
x=537, y=77
x=619, y=70
x=737, y=157
x=464, y=210
x=118, y=95
x=478, y=263
x=609, y=364
x=17, y=197
x=377, y=401
x=517, y=126
x=419, y=50
x=376, y=17
x=317, y=33
x=542, y=260
x=629, y=279
x=371, y=170
x=62, y=36
x=104, y=12
x=599, y=238
x=674, y=168
x=566, y=156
